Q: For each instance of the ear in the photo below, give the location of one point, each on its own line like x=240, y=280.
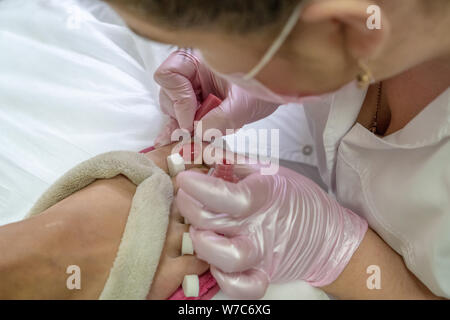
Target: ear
x=365, y=26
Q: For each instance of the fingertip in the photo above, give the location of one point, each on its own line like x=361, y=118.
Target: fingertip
x=185, y=120
x=196, y=236
x=181, y=178
x=189, y=207
x=181, y=198
x=214, y=125
x=216, y=194
x=185, y=178
x=249, y=285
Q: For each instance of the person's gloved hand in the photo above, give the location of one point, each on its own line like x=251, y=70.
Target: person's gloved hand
x=185, y=82
x=266, y=229
x=172, y=265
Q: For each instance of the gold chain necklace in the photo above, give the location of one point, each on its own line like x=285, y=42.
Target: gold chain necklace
x=374, y=126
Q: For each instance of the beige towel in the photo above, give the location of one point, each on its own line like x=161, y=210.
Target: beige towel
x=143, y=239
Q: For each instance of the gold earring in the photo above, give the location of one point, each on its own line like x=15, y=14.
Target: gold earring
x=365, y=76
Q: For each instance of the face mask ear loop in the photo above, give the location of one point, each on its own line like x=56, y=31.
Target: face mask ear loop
x=291, y=23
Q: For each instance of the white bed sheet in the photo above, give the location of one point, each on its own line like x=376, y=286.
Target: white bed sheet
x=74, y=83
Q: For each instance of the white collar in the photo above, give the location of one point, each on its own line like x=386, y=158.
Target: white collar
x=430, y=126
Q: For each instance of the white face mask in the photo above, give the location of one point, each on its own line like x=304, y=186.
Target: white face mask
x=248, y=81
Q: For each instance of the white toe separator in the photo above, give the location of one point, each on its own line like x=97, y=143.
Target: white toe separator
x=176, y=164
x=191, y=286
x=187, y=246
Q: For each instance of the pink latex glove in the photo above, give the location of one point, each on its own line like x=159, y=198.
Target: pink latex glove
x=267, y=228
x=186, y=82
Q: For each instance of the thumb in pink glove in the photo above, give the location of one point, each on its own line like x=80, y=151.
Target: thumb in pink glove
x=185, y=82
x=266, y=229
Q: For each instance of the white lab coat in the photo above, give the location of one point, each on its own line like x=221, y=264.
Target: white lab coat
x=399, y=183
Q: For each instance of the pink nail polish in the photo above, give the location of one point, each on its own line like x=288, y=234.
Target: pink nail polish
x=225, y=172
